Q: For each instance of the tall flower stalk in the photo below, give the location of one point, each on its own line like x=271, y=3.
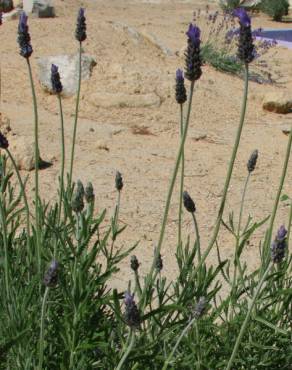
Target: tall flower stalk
x=80, y=36
x=246, y=55
x=181, y=98
x=57, y=89
x=193, y=72
x=26, y=51
x=50, y=281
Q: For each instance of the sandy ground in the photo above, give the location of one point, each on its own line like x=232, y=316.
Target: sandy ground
x=109, y=139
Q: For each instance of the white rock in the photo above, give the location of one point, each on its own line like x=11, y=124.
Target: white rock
x=121, y=100
x=68, y=69
x=14, y=14
x=42, y=8
x=142, y=37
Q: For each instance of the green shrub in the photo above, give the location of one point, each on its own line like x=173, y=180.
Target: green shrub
x=229, y=4
x=275, y=8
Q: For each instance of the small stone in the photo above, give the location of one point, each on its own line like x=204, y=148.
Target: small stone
x=22, y=149
x=286, y=128
x=4, y=124
x=277, y=102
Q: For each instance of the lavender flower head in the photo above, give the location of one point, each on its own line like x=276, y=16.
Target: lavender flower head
x=1, y=16
x=180, y=90
x=243, y=17
x=192, y=55
x=80, y=33
x=3, y=142
x=134, y=263
x=131, y=315
x=24, y=37
x=251, y=164
x=246, y=49
x=188, y=202
x=56, y=80
x=279, y=245
x=194, y=34
x=51, y=276
x=89, y=193
x=119, y=181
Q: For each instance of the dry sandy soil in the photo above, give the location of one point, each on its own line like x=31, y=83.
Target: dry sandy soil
x=111, y=139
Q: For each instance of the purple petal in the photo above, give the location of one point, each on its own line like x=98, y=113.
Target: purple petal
x=281, y=233
x=194, y=34
x=179, y=75
x=243, y=17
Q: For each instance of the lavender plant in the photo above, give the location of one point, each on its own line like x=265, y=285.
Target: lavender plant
x=220, y=36
x=57, y=309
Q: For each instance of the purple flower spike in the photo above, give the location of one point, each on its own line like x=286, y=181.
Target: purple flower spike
x=132, y=314
x=179, y=75
x=193, y=58
x=243, y=17
x=194, y=34
x=56, y=80
x=24, y=37
x=51, y=276
x=3, y=141
x=281, y=233
x=279, y=245
x=80, y=33
x=180, y=90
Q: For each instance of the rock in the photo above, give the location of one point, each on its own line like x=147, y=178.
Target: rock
x=42, y=8
x=22, y=149
x=157, y=43
x=6, y=5
x=142, y=37
x=121, y=100
x=286, y=128
x=68, y=68
x=4, y=124
x=13, y=14
x=277, y=102
x=250, y=3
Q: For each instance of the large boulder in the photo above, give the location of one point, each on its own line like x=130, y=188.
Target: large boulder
x=68, y=68
x=278, y=102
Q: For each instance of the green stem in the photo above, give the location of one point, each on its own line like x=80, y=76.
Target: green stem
x=76, y=117
x=246, y=320
x=170, y=191
x=236, y=257
x=129, y=349
x=229, y=173
x=289, y=223
x=197, y=236
x=37, y=159
x=275, y=208
x=5, y=242
x=22, y=189
x=183, y=333
x=63, y=157
x=181, y=178
x=72, y=351
x=41, y=344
